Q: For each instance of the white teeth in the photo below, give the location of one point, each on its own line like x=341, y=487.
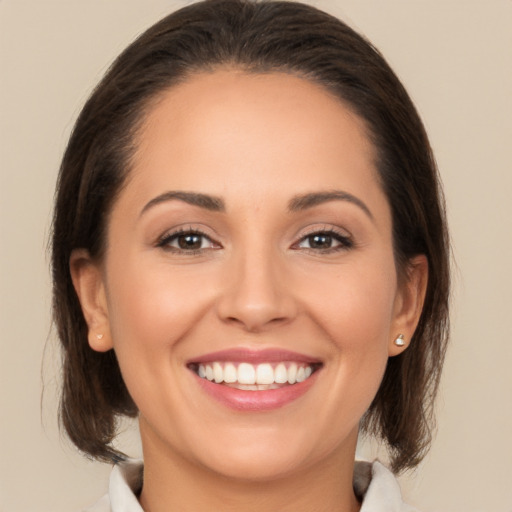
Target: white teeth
x=292, y=373
x=264, y=374
x=218, y=374
x=254, y=377
x=246, y=374
x=230, y=373
x=281, y=374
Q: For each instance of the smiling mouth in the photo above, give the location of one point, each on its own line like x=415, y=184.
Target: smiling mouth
x=255, y=377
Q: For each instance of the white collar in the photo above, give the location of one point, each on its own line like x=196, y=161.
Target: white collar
x=373, y=482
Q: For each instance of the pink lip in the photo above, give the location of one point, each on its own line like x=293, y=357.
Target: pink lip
x=262, y=400
x=255, y=401
x=240, y=355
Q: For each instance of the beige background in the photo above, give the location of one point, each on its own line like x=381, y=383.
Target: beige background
x=455, y=58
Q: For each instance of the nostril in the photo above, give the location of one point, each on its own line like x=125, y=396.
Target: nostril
x=255, y=297
x=254, y=323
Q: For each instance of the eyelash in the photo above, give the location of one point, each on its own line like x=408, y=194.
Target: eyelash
x=345, y=242
x=165, y=241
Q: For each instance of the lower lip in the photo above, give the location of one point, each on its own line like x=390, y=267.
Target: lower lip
x=265, y=400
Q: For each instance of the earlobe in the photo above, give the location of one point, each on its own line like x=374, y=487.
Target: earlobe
x=89, y=286
x=409, y=304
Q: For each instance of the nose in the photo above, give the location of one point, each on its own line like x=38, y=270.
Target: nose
x=257, y=293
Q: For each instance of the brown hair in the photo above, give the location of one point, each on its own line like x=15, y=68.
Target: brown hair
x=257, y=37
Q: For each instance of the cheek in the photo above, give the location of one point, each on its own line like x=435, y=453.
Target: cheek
x=150, y=309
x=356, y=305
x=355, y=312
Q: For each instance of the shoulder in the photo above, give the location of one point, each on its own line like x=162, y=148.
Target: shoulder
x=378, y=489
x=125, y=484
x=102, y=505
x=374, y=484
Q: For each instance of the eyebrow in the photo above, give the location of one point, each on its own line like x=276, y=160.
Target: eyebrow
x=297, y=203
x=205, y=201
x=305, y=201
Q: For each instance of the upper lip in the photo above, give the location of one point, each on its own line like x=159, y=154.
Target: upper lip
x=246, y=355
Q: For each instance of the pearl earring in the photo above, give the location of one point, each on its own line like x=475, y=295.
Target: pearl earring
x=99, y=336
x=399, y=340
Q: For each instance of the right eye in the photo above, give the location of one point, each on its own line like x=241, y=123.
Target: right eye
x=187, y=241
x=325, y=242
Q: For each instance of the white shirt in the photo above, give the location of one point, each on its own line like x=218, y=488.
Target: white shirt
x=373, y=483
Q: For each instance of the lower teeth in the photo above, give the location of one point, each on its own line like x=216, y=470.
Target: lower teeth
x=253, y=387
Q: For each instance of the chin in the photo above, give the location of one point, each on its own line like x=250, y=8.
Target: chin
x=257, y=465
x=272, y=454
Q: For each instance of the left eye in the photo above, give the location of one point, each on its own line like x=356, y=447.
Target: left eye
x=187, y=241
x=324, y=241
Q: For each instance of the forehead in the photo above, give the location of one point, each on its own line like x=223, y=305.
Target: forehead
x=229, y=130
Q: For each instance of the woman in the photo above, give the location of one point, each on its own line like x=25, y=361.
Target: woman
x=250, y=255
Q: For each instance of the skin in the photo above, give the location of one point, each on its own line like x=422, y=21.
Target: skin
x=256, y=142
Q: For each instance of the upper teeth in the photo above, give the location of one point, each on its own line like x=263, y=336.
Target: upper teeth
x=246, y=373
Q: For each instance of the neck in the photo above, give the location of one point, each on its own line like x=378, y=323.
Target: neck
x=173, y=482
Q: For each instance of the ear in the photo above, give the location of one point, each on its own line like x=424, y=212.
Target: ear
x=89, y=286
x=409, y=303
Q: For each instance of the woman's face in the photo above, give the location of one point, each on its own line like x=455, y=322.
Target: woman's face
x=249, y=287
